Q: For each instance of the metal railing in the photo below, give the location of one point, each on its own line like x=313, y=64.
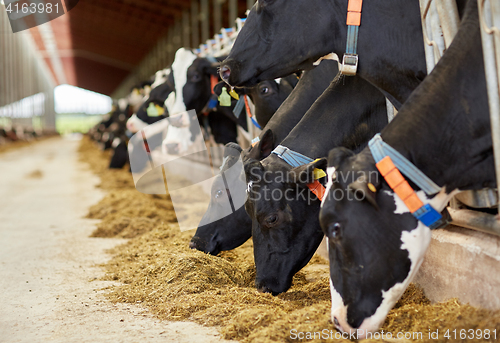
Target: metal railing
x=26, y=84
x=440, y=23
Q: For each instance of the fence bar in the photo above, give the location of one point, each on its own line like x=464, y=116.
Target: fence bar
x=217, y=16
x=205, y=25
x=195, y=24
x=233, y=12
x=491, y=72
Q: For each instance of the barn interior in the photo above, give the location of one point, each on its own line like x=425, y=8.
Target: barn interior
x=106, y=48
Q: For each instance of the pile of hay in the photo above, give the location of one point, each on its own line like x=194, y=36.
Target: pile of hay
x=158, y=270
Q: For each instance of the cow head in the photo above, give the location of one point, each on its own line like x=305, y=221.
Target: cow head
x=375, y=244
x=270, y=32
x=190, y=76
x=221, y=228
x=284, y=213
x=152, y=110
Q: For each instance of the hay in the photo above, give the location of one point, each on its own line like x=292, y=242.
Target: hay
x=158, y=270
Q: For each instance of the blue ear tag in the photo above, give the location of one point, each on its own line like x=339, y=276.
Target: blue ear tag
x=212, y=103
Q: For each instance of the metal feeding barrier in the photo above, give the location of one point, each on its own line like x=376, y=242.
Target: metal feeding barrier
x=440, y=21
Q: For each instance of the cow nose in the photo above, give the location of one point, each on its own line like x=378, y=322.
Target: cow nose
x=262, y=288
x=225, y=72
x=192, y=245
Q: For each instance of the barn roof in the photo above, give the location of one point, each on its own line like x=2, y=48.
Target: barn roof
x=100, y=42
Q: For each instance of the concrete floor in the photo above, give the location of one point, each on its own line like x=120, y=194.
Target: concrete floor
x=49, y=279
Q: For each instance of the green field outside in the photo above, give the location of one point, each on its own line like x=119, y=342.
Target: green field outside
x=68, y=123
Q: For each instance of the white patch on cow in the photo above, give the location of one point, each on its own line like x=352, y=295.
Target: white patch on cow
x=184, y=58
x=339, y=310
x=122, y=104
x=116, y=142
x=169, y=103
x=249, y=186
x=278, y=81
x=134, y=124
x=161, y=77
x=416, y=243
x=330, y=171
x=135, y=99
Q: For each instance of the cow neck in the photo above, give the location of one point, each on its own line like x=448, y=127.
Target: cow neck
x=443, y=129
x=396, y=64
x=348, y=114
x=309, y=88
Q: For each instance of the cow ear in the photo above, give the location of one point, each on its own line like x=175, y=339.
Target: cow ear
x=266, y=144
x=338, y=155
x=305, y=174
x=365, y=189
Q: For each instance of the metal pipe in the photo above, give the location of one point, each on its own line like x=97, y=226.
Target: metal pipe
x=205, y=26
x=491, y=81
x=475, y=220
x=195, y=26
x=217, y=16
x=250, y=3
x=186, y=30
x=233, y=12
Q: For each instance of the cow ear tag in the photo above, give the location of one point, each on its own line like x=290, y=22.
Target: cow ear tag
x=318, y=173
x=155, y=110
x=372, y=187
x=224, y=98
x=234, y=94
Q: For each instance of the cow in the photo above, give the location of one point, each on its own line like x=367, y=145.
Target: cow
x=231, y=231
x=284, y=212
x=152, y=109
x=376, y=245
x=192, y=78
x=267, y=96
x=269, y=47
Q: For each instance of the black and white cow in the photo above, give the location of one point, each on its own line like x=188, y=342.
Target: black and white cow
x=235, y=229
x=267, y=96
x=284, y=212
x=376, y=245
x=192, y=79
x=152, y=109
x=390, y=45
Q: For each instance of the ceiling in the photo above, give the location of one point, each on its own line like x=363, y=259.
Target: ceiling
x=100, y=42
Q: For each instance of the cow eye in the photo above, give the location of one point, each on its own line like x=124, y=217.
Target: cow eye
x=219, y=193
x=334, y=230
x=272, y=220
x=264, y=90
x=196, y=77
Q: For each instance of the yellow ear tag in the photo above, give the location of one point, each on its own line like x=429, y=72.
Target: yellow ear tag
x=234, y=94
x=136, y=92
x=318, y=173
x=224, y=98
x=372, y=187
x=160, y=109
x=155, y=110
